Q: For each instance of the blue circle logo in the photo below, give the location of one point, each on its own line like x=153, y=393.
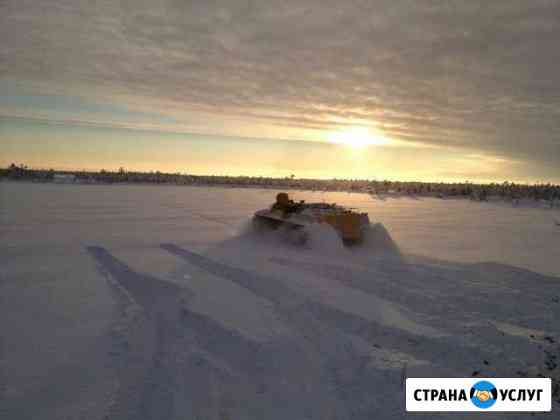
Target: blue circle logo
x=484, y=394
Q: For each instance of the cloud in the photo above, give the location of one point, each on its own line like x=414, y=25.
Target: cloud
x=477, y=75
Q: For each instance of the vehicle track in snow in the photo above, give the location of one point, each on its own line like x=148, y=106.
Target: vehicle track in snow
x=140, y=337
x=171, y=355
x=304, y=312
x=472, y=342
x=172, y=362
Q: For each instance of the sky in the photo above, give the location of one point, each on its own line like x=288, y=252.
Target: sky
x=388, y=89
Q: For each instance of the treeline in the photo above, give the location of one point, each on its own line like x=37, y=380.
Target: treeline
x=507, y=190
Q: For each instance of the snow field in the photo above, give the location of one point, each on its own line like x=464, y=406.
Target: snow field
x=135, y=302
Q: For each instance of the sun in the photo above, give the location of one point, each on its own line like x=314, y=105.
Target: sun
x=357, y=137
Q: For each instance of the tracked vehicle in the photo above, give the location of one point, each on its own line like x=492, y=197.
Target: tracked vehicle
x=295, y=218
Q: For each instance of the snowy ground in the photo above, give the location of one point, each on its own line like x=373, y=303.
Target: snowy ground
x=146, y=302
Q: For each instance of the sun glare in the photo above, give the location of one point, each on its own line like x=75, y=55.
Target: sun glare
x=357, y=137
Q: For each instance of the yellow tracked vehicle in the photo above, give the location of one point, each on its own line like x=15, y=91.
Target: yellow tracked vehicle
x=295, y=217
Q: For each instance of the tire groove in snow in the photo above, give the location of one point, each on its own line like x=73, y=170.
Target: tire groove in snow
x=323, y=329
x=303, y=311
x=154, y=374
x=142, y=343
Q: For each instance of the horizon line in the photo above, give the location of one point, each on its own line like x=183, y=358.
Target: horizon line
x=116, y=171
